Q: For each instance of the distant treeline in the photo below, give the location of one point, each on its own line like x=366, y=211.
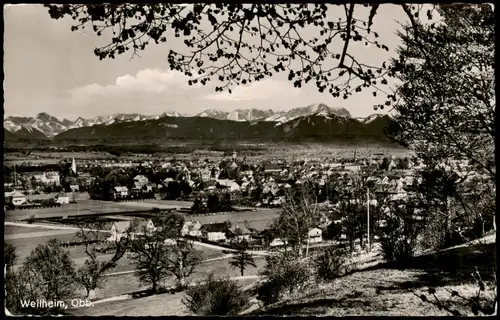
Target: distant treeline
x=118, y=149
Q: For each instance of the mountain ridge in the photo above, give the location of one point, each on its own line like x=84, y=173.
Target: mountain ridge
x=51, y=126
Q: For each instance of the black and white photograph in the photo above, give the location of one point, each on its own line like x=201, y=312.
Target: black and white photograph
x=249, y=159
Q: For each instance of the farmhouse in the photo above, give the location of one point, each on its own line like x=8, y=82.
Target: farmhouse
x=191, y=228
x=239, y=233
x=16, y=198
x=62, y=198
x=214, y=231
x=117, y=230
x=120, y=192
x=315, y=235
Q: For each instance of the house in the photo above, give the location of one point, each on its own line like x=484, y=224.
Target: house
x=272, y=168
x=50, y=178
x=74, y=188
x=315, y=235
x=140, y=179
x=192, y=229
x=17, y=198
x=120, y=192
x=214, y=232
x=62, y=198
x=117, y=230
x=240, y=233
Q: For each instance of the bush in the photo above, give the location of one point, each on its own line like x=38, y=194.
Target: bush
x=285, y=274
x=216, y=297
x=329, y=264
x=398, y=237
x=31, y=218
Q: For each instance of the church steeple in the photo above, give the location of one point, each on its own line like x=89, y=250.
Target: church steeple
x=73, y=166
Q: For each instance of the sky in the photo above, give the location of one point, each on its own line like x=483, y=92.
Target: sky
x=50, y=69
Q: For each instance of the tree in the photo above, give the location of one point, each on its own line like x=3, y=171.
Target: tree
x=399, y=236
x=385, y=164
x=446, y=106
x=49, y=272
x=213, y=204
x=182, y=261
x=219, y=37
x=151, y=248
x=225, y=203
x=242, y=259
x=10, y=255
x=299, y=214
x=198, y=206
x=91, y=274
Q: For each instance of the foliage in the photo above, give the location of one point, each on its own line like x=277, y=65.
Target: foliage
x=447, y=91
x=398, y=238
x=49, y=272
x=479, y=304
x=385, y=164
x=329, y=264
x=198, y=206
x=242, y=258
x=285, y=275
x=10, y=255
x=215, y=297
x=225, y=203
x=213, y=203
x=31, y=218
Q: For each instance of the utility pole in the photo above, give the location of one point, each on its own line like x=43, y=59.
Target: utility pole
x=368, y=216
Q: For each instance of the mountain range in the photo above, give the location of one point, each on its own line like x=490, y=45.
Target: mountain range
x=316, y=121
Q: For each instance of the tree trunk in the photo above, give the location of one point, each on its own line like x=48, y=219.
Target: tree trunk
x=155, y=285
x=242, y=269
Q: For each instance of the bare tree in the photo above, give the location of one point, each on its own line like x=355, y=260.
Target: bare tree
x=182, y=261
x=298, y=216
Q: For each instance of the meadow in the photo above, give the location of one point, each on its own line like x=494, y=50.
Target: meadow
x=82, y=207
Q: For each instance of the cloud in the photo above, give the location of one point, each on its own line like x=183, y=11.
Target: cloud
x=145, y=81
x=268, y=89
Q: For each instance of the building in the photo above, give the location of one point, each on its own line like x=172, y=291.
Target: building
x=240, y=233
x=48, y=178
x=62, y=198
x=117, y=230
x=214, y=232
x=120, y=192
x=140, y=181
x=315, y=235
x=17, y=198
x=192, y=229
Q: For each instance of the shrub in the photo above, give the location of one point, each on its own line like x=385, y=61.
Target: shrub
x=398, y=237
x=285, y=275
x=31, y=218
x=216, y=297
x=329, y=264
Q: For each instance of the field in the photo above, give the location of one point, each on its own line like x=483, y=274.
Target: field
x=160, y=204
x=256, y=219
x=15, y=230
x=82, y=207
x=127, y=283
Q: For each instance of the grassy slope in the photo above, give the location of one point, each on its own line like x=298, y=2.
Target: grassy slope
x=378, y=290
x=385, y=290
